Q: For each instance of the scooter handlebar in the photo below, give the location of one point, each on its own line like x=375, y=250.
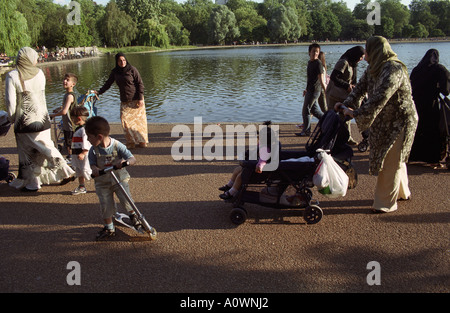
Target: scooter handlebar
x=110, y=168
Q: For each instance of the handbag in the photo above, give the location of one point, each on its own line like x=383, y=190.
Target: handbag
x=329, y=177
x=336, y=92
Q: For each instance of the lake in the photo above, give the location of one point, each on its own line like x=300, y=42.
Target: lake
x=242, y=84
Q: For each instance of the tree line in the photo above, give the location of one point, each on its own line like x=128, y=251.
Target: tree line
x=161, y=23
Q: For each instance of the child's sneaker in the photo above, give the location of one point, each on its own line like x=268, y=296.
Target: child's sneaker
x=79, y=190
x=105, y=234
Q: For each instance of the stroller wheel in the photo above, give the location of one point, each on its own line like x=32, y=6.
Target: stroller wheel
x=312, y=214
x=10, y=178
x=362, y=146
x=238, y=216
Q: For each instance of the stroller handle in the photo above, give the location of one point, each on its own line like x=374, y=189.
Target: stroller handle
x=111, y=168
x=341, y=109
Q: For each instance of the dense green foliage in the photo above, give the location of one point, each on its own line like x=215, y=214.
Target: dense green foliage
x=166, y=22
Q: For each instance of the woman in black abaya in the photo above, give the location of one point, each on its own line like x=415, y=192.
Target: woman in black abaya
x=428, y=79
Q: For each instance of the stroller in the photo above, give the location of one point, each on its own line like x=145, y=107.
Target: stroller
x=290, y=185
x=444, y=124
x=87, y=100
x=5, y=125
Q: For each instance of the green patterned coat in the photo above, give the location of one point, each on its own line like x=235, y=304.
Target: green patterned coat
x=388, y=110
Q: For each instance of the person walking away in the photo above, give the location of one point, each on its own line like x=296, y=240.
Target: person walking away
x=391, y=118
x=314, y=86
x=132, y=106
x=39, y=161
x=428, y=80
x=342, y=80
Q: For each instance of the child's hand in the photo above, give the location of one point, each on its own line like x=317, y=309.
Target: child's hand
x=81, y=156
x=95, y=171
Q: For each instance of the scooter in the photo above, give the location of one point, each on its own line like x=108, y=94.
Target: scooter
x=142, y=226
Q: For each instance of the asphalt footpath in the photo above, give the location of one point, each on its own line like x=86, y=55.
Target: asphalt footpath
x=47, y=238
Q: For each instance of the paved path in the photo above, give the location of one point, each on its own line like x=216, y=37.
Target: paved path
x=199, y=250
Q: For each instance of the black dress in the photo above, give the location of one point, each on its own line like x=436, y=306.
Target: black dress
x=428, y=79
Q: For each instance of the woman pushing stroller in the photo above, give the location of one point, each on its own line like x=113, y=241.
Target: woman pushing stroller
x=391, y=118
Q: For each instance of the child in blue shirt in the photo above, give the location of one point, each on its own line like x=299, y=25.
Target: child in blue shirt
x=106, y=152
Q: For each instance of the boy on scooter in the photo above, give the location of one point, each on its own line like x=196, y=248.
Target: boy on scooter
x=106, y=152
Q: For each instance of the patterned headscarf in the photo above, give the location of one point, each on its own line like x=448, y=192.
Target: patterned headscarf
x=379, y=52
x=26, y=63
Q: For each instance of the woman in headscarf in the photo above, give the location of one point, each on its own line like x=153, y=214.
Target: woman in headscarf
x=343, y=78
x=132, y=107
x=391, y=118
x=428, y=79
x=39, y=161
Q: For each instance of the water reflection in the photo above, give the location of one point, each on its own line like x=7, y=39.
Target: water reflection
x=250, y=84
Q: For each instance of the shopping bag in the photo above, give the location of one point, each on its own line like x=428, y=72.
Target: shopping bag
x=330, y=178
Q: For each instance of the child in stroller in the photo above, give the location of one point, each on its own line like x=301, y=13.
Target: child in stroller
x=296, y=169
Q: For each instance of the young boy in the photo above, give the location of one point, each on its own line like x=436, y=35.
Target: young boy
x=314, y=86
x=69, y=101
x=80, y=148
x=106, y=152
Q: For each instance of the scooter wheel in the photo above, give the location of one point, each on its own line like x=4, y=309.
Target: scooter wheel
x=152, y=234
x=312, y=214
x=238, y=216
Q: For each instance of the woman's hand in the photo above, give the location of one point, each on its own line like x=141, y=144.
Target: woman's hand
x=140, y=103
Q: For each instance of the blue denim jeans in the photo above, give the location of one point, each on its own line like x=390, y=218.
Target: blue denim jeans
x=310, y=106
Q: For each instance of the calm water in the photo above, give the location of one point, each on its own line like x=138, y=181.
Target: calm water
x=249, y=84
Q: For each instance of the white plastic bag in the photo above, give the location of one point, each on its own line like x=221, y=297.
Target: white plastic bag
x=330, y=178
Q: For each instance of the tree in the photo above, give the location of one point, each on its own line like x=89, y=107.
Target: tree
x=324, y=25
x=195, y=18
x=441, y=9
x=13, y=28
x=222, y=25
x=247, y=18
x=153, y=34
x=35, y=19
x=421, y=14
x=284, y=24
x=118, y=27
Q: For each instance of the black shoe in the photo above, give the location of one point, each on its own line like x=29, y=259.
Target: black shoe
x=105, y=234
x=67, y=180
x=225, y=188
x=226, y=196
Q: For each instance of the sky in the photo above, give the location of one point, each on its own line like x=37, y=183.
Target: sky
x=350, y=3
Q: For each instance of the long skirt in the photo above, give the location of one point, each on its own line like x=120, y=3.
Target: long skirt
x=39, y=161
x=134, y=122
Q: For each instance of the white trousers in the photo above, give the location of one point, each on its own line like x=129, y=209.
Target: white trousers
x=392, y=181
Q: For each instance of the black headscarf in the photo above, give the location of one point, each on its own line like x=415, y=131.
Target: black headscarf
x=121, y=70
x=353, y=55
x=424, y=75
